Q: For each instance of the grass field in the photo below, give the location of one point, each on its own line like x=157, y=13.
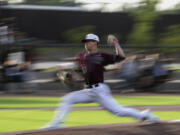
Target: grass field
x=14, y=120
x=26, y=120
x=28, y=102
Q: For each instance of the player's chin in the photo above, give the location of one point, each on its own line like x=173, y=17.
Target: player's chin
x=88, y=49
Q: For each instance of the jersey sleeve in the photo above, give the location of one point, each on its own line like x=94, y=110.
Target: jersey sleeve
x=111, y=59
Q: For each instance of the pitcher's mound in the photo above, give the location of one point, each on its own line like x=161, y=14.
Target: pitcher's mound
x=165, y=128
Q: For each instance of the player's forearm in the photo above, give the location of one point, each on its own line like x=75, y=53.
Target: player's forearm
x=112, y=40
x=119, y=50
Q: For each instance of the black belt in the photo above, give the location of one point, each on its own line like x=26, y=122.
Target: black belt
x=91, y=86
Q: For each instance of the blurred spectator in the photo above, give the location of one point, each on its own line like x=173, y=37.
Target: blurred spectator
x=160, y=73
x=129, y=72
x=17, y=66
x=152, y=72
x=6, y=34
x=3, y=34
x=14, y=67
x=10, y=34
x=142, y=71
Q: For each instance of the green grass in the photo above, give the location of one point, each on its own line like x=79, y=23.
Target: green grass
x=29, y=102
x=15, y=120
x=26, y=120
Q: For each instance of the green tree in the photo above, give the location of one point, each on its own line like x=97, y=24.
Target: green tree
x=75, y=35
x=170, y=38
x=144, y=17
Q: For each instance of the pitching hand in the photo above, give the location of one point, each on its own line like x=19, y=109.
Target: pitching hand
x=112, y=40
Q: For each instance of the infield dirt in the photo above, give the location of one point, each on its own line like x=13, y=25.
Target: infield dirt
x=145, y=128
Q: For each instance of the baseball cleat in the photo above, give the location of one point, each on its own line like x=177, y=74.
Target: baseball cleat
x=148, y=116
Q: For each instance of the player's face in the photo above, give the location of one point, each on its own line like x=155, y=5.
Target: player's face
x=90, y=45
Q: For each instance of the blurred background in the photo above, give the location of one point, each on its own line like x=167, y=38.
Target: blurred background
x=39, y=38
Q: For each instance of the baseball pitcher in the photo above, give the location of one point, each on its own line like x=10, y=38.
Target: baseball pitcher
x=92, y=62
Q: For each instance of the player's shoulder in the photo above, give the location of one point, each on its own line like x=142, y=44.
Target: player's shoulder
x=81, y=53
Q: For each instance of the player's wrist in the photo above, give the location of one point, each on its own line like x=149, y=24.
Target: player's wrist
x=116, y=44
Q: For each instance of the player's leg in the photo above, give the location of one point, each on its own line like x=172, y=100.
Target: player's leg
x=82, y=96
x=105, y=98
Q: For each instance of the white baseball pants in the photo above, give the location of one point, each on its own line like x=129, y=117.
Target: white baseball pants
x=101, y=95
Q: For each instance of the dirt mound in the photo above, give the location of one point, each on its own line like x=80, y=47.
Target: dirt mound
x=164, y=128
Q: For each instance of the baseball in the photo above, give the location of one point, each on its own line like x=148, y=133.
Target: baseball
x=110, y=39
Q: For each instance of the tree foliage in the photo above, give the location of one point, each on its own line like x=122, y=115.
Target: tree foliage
x=171, y=38
x=144, y=18
x=75, y=35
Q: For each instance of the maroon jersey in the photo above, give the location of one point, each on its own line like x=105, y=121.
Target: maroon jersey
x=93, y=65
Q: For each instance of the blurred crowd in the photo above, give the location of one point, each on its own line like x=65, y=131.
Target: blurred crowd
x=6, y=34
x=142, y=71
x=138, y=71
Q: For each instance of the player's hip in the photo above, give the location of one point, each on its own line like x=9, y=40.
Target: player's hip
x=100, y=88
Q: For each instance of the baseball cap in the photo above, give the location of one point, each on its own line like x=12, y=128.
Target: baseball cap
x=90, y=37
